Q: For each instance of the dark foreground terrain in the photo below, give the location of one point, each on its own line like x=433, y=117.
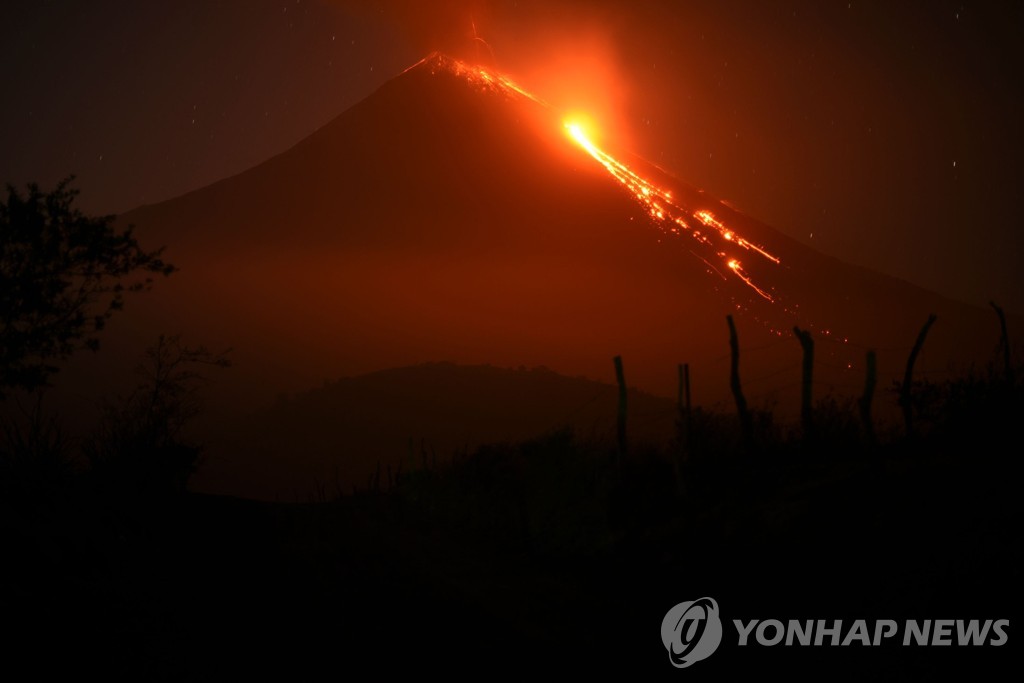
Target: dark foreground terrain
x=552, y=555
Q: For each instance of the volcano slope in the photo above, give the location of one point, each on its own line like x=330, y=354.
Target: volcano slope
x=453, y=217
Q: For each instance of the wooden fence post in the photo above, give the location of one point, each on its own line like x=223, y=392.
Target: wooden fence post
x=807, y=381
x=870, y=380
x=620, y=376
x=908, y=377
x=1004, y=342
x=683, y=403
x=734, y=383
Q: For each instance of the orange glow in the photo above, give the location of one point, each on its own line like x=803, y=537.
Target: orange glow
x=477, y=75
x=581, y=74
x=577, y=134
x=669, y=216
x=708, y=219
x=735, y=267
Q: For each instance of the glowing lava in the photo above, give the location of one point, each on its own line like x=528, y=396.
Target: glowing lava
x=477, y=75
x=671, y=217
x=720, y=241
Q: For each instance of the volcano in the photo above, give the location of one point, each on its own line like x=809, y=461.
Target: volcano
x=452, y=216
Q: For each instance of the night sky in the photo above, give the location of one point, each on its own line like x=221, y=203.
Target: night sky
x=887, y=134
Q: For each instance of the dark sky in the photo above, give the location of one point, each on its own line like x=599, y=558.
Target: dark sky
x=887, y=134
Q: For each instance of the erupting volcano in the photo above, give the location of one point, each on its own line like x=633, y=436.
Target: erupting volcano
x=453, y=216
x=672, y=218
x=714, y=242
x=525, y=338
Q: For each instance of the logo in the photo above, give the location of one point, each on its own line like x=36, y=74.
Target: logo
x=691, y=631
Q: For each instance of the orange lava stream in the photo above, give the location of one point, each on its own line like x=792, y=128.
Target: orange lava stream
x=669, y=215
x=476, y=74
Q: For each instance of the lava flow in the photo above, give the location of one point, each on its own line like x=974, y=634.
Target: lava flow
x=717, y=240
x=669, y=216
x=477, y=75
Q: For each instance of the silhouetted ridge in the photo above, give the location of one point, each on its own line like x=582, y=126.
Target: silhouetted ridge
x=401, y=417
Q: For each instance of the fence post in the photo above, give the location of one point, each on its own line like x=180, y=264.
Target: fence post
x=734, y=383
x=621, y=422
x=870, y=379
x=689, y=406
x=683, y=403
x=908, y=377
x=680, y=398
x=807, y=380
x=1005, y=342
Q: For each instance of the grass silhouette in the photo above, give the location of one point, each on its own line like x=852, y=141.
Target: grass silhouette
x=552, y=547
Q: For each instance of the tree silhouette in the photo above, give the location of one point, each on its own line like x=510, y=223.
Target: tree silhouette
x=139, y=441
x=62, y=276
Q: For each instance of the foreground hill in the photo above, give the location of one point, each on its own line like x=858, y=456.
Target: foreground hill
x=364, y=432
x=544, y=553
